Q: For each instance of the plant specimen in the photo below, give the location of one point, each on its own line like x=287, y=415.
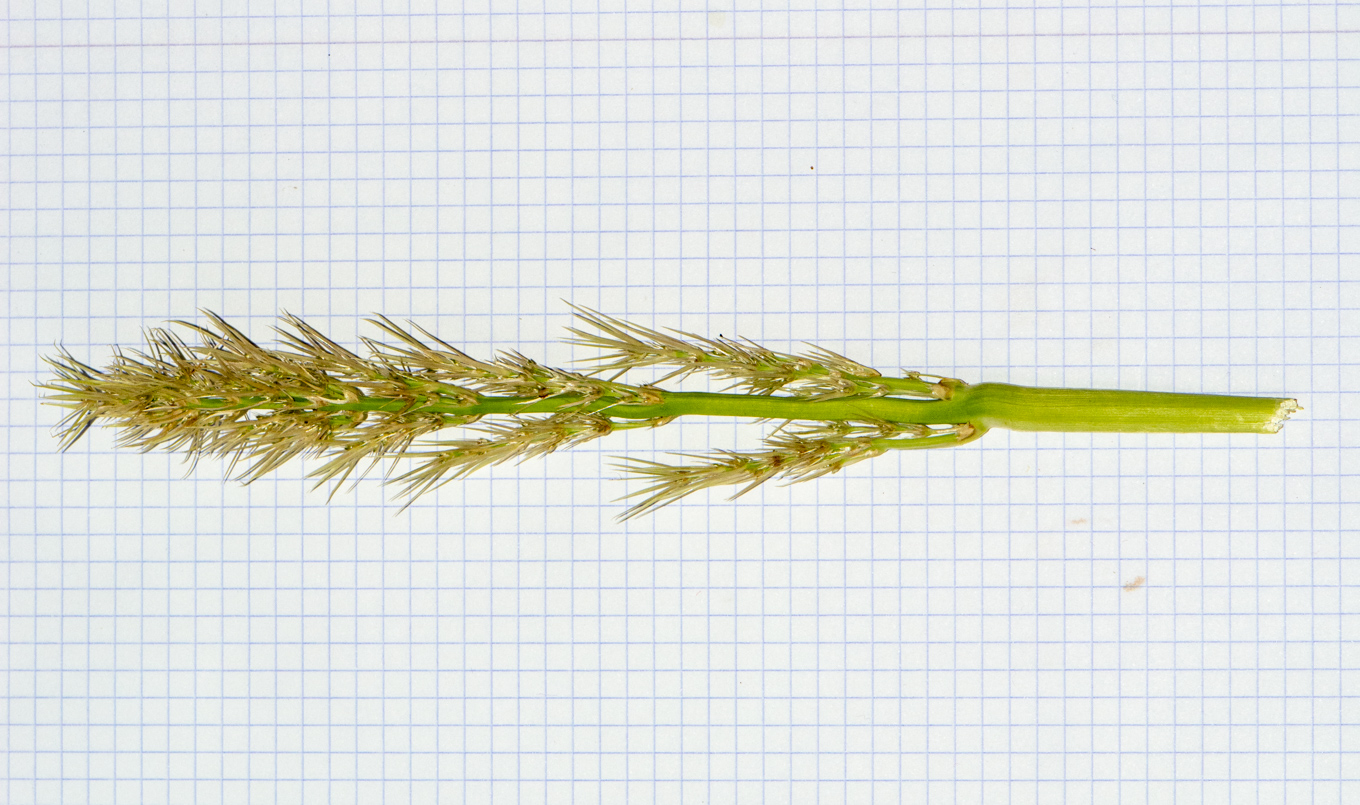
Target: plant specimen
x=228, y=396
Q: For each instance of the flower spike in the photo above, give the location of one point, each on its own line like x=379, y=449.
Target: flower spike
x=259, y=408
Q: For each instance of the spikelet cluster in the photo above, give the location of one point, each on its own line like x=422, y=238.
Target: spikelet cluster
x=259, y=407
x=819, y=374
x=230, y=397
x=793, y=453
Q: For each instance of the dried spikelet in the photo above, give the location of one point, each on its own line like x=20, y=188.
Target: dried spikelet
x=801, y=460
x=797, y=452
x=442, y=363
x=510, y=373
x=521, y=437
x=533, y=379
x=820, y=374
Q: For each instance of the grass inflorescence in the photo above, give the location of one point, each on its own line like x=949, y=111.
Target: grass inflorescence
x=227, y=396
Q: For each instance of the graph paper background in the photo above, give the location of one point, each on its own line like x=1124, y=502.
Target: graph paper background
x=1134, y=196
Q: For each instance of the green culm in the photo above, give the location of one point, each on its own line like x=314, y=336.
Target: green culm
x=230, y=397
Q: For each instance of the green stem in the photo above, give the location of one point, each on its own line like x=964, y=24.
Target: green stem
x=985, y=406
x=1001, y=405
